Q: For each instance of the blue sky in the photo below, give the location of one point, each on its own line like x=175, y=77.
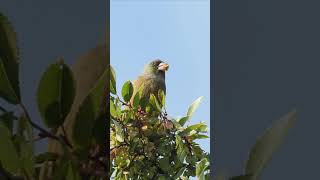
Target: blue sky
x=177, y=32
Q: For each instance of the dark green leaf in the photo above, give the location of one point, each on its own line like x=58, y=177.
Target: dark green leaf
x=56, y=93
x=164, y=164
x=89, y=112
x=127, y=91
x=61, y=169
x=27, y=158
x=180, y=173
x=183, y=120
x=9, y=65
x=8, y=154
x=267, y=144
x=99, y=130
x=181, y=149
x=7, y=119
x=73, y=172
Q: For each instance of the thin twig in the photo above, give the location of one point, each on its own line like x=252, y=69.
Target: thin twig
x=3, y=109
x=45, y=132
x=42, y=130
x=120, y=145
x=65, y=136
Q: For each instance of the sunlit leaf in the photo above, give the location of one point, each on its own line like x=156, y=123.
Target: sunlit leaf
x=113, y=87
x=127, y=91
x=193, y=107
x=162, y=98
x=201, y=168
x=119, y=131
x=154, y=102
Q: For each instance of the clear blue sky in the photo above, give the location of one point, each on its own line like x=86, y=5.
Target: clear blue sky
x=175, y=31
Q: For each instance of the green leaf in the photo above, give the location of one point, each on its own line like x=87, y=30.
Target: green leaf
x=99, y=130
x=164, y=164
x=267, y=144
x=8, y=154
x=89, y=111
x=201, y=127
x=201, y=168
x=113, y=109
x=113, y=87
x=180, y=173
x=154, y=102
x=162, y=98
x=127, y=91
x=199, y=136
x=193, y=107
x=56, y=93
x=7, y=119
x=183, y=120
x=61, y=169
x=181, y=149
x=119, y=131
x=9, y=65
x=73, y=172
x=136, y=100
x=176, y=124
x=27, y=158
x=137, y=97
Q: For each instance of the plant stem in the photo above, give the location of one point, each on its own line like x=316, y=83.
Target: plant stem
x=42, y=130
x=3, y=109
x=45, y=132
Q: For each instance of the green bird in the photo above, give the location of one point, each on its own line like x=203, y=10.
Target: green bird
x=152, y=79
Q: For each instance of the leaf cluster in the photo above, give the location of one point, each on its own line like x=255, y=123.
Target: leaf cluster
x=147, y=144
x=82, y=155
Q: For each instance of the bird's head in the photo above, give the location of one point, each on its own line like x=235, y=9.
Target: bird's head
x=156, y=67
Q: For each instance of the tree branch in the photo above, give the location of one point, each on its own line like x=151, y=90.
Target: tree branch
x=36, y=126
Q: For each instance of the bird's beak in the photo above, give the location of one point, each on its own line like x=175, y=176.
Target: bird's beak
x=163, y=67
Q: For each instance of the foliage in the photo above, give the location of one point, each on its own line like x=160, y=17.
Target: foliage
x=82, y=154
x=147, y=144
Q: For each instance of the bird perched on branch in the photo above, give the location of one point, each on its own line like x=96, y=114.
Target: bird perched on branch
x=152, y=79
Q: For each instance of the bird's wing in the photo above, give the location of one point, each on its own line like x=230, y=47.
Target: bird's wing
x=136, y=85
x=151, y=85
